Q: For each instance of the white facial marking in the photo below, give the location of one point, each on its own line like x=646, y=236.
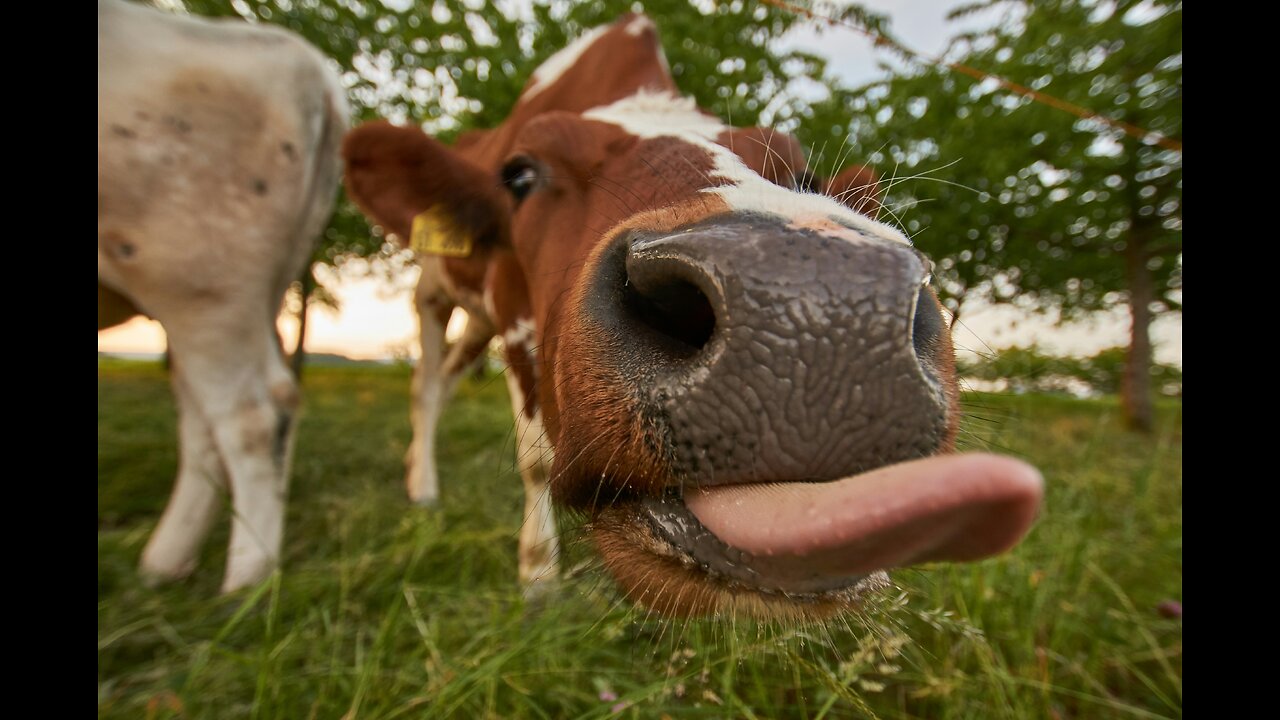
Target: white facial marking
x=652, y=115
x=553, y=67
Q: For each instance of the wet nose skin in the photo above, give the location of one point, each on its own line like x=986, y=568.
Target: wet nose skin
x=762, y=352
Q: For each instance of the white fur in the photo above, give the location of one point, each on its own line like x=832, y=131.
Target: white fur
x=197, y=496
x=652, y=115
x=520, y=334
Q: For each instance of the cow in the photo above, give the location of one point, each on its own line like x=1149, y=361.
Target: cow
x=747, y=389
x=218, y=165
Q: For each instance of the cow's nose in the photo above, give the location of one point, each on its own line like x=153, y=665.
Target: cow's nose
x=763, y=351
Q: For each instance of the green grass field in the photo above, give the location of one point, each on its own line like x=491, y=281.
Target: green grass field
x=385, y=611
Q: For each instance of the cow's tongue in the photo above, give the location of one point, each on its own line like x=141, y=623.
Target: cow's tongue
x=950, y=507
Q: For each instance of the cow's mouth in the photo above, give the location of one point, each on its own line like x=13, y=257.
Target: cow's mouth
x=814, y=548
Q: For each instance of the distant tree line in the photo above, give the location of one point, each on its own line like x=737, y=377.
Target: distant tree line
x=1030, y=369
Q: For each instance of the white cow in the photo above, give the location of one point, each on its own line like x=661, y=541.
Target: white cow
x=217, y=166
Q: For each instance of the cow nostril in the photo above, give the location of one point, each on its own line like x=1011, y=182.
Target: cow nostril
x=927, y=326
x=675, y=309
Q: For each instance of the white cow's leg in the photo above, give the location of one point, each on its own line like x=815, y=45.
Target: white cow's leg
x=259, y=448
x=247, y=395
x=539, y=541
x=476, y=335
x=435, y=378
x=430, y=391
x=197, y=495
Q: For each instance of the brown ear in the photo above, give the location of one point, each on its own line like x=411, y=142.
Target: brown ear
x=394, y=173
x=467, y=138
x=775, y=156
x=856, y=186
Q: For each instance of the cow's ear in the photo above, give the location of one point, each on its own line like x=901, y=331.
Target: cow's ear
x=775, y=156
x=857, y=187
x=395, y=173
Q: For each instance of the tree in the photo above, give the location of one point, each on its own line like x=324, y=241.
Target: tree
x=1019, y=202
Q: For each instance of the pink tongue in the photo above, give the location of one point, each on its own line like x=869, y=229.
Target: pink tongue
x=950, y=507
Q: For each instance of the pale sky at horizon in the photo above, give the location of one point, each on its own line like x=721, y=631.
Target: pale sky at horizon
x=376, y=318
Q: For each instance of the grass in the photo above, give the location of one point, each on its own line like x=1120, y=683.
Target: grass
x=385, y=611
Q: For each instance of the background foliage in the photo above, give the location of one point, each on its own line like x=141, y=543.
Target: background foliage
x=1030, y=369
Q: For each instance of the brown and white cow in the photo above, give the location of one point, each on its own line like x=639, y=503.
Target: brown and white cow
x=217, y=167
x=749, y=389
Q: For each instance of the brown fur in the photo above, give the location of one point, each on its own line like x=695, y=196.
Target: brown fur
x=776, y=157
x=394, y=173
x=857, y=187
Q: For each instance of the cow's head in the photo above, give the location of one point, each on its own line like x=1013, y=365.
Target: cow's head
x=750, y=388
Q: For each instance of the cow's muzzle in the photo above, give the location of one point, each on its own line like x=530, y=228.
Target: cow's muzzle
x=771, y=352
x=779, y=398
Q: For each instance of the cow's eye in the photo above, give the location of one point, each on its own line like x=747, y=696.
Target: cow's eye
x=520, y=175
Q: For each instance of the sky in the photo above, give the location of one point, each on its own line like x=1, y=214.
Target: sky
x=376, y=318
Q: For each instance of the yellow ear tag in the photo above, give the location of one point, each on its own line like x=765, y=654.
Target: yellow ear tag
x=434, y=233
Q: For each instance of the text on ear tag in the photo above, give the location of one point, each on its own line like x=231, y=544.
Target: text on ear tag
x=435, y=233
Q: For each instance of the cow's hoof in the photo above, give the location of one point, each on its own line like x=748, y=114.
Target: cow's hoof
x=155, y=570
x=427, y=502
x=154, y=577
x=246, y=575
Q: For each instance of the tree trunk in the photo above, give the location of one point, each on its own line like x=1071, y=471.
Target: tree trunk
x=299, y=357
x=1138, y=409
